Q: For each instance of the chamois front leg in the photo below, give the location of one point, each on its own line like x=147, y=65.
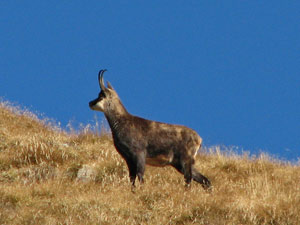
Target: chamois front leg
x=132, y=171
x=140, y=166
x=136, y=166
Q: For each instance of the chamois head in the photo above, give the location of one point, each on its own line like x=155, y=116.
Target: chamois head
x=108, y=100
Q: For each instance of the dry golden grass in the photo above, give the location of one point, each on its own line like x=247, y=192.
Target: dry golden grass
x=49, y=176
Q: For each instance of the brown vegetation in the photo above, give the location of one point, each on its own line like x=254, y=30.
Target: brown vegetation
x=49, y=176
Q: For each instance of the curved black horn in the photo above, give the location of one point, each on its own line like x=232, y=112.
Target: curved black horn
x=100, y=79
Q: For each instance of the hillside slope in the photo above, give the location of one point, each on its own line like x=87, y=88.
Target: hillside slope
x=49, y=176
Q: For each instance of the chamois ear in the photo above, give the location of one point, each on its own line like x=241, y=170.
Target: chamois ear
x=109, y=86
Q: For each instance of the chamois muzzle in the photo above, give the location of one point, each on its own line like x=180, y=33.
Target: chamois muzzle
x=92, y=103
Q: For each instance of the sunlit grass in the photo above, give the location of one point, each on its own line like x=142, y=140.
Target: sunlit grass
x=50, y=176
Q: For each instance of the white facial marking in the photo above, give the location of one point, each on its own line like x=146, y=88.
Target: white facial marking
x=99, y=106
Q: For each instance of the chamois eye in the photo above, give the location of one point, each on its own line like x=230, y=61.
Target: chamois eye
x=101, y=95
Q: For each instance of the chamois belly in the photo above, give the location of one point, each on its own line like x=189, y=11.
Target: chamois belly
x=159, y=160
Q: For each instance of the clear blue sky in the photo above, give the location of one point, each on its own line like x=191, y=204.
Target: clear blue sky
x=228, y=69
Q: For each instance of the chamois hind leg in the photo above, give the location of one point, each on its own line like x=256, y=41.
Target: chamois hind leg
x=187, y=172
x=184, y=168
x=198, y=177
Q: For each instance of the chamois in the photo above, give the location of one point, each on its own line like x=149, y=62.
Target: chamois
x=140, y=141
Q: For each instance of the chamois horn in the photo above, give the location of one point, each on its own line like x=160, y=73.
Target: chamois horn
x=100, y=79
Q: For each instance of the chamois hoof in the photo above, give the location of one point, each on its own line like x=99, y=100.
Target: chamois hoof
x=208, y=188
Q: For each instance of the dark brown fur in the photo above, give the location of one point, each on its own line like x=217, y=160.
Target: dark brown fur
x=140, y=141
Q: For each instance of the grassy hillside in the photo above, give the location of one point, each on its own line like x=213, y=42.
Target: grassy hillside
x=49, y=176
